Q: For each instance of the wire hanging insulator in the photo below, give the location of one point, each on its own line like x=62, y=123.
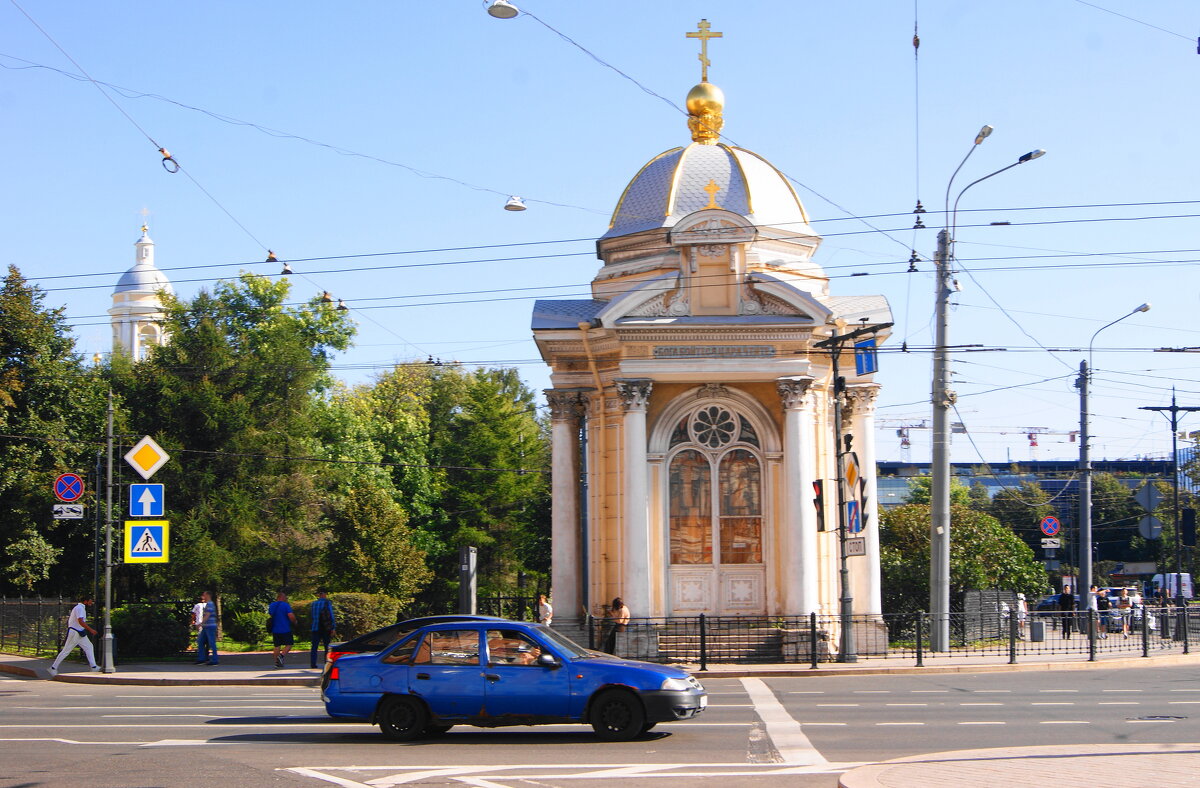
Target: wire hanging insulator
x=918, y=224
x=168, y=161
x=326, y=298
x=912, y=262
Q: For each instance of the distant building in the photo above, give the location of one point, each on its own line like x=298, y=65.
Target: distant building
x=137, y=311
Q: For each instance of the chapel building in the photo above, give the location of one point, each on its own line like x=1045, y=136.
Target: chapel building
x=691, y=413
x=137, y=309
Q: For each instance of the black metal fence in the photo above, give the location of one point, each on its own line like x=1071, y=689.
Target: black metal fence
x=36, y=626
x=817, y=639
x=33, y=626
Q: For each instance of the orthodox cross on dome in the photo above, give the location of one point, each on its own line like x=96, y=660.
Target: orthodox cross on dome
x=712, y=188
x=704, y=33
x=144, y=213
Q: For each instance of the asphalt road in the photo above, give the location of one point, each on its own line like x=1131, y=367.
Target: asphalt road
x=804, y=730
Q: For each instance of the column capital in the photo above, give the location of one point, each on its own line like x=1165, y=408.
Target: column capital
x=860, y=399
x=634, y=392
x=565, y=404
x=794, y=392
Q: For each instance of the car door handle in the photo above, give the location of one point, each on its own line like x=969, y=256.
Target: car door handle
x=423, y=676
x=491, y=677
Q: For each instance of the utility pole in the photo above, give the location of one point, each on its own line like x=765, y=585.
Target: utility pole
x=107, y=648
x=848, y=650
x=1174, y=410
x=1084, y=531
x=939, y=502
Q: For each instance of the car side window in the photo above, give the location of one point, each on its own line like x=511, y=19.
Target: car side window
x=404, y=654
x=509, y=647
x=452, y=647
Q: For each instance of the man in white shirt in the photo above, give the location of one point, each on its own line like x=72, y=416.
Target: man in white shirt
x=76, y=626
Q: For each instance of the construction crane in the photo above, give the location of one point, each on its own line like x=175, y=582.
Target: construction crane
x=903, y=428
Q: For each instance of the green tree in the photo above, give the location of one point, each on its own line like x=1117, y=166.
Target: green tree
x=1021, y=509
x=492, y=483
x=920, y=491
x=232, y=398
x=372, y=549
x=51, y=417
x=983, y=554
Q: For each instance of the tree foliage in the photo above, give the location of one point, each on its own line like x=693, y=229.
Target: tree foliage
x=983, y=554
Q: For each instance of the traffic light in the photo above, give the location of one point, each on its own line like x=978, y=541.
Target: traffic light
x=819, y=502
x=1187, y=527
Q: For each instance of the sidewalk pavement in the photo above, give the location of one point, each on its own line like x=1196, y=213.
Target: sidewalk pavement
x=1063, y=766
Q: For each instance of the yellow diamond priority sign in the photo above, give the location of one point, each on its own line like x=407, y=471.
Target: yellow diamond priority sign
x=146, y=457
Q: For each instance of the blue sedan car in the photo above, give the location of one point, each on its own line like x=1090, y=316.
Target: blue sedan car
x=498, y=673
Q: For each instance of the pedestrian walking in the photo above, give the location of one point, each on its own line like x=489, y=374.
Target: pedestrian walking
x=324, y=625
x=206, y=631
x=281, y=620
x=77, y=625
x=1066, y=608
x=1022, y=615
x=617, y=620
x=545, y=613
x=1103, y=608
x=1124, y=610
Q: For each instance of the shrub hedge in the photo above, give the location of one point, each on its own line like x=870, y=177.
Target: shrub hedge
x=152, y=630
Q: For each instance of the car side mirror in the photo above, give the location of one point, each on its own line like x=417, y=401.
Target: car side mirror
x=548, y=661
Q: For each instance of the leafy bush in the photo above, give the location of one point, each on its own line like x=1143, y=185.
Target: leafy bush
x=145, y=630
x=358, y=614
x=247, y=627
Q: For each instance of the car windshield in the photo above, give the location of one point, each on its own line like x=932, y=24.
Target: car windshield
x=563, y=644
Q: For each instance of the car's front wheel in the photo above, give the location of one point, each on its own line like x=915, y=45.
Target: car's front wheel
x=617, y=715
x=402, y=718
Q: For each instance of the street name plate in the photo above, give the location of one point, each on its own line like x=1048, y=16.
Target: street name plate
x=857, y=546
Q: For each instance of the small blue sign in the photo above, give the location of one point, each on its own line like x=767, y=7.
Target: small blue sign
x=865, y=359
x=1050, y=525
x=853, y=517
x=68, y=487
x=146, y=500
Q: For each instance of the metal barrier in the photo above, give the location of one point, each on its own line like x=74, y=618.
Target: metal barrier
x=34, y=626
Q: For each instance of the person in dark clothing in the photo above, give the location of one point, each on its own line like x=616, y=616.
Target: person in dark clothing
x=1066, y=607
x=324, y=625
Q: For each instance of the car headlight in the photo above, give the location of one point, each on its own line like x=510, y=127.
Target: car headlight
x=678, y=685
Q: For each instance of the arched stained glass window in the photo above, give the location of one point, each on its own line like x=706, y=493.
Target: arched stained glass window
x=691, y=508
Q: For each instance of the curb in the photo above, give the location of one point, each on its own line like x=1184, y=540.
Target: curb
x=137, y=681
x=17, y=670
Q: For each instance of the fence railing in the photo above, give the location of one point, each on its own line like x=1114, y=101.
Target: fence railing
x=817, y=639
x=36, y=626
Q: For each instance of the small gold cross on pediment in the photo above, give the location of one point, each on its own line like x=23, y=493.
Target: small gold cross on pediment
x=712, y=188
x=704, y=33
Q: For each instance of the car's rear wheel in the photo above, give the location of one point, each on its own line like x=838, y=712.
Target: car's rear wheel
x=616, y=715
x=402, y=718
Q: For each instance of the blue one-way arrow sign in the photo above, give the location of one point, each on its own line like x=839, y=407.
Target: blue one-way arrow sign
x=146, y=500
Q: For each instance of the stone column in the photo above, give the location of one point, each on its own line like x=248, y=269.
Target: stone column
x=635, y=541
x=860, y=402
x=800, y=516
x=566, y=569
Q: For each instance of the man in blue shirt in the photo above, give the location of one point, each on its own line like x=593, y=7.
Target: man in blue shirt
x=324, y=625
x=281, y=618
x=206, y=637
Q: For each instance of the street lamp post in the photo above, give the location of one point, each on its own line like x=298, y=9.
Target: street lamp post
x=1084, y=586
x=942, y=399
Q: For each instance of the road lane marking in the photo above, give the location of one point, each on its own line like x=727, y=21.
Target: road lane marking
x=1180, y=702
x=1185, y=690
x=787, y=736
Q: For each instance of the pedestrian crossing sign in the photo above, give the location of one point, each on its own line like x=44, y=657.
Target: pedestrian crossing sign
x=147, y=541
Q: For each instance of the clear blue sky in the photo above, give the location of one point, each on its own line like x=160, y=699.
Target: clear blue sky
x=452, y=110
